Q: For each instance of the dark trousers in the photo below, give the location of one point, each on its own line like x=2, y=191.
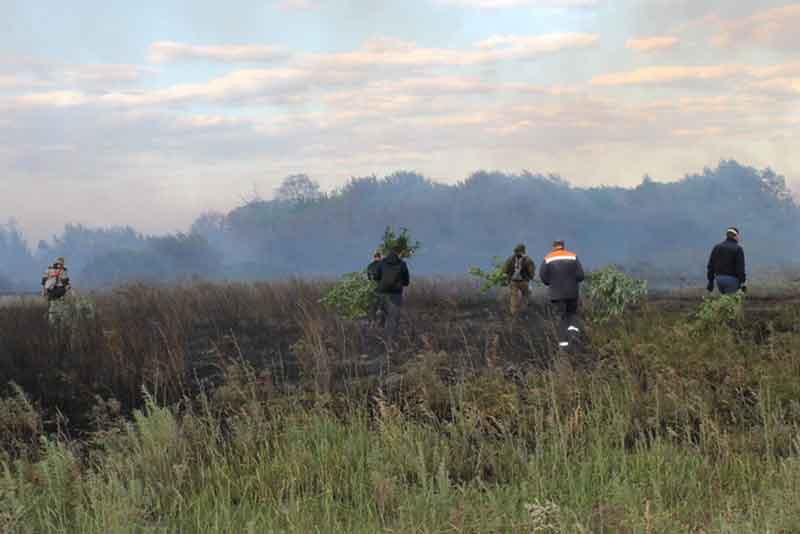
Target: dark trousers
x=392, y=304
x=566, y=312
x=727, y=284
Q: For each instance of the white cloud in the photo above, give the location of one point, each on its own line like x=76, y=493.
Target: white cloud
x=781, y=86
x=391, y=52
x=505, y=4
x=772, y=28
x=12, y=81
x=381, y=52
x=169, y=51
x=652, y=44
x=46, y=99
x=682, y=74
x=670, y=75
x=23, y=74
x=523, y=46
x=296, y=5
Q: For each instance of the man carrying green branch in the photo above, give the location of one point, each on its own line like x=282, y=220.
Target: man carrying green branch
x=520, y=270
x=392, y=277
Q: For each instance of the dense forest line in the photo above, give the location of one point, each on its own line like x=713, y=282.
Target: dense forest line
x=658, y=230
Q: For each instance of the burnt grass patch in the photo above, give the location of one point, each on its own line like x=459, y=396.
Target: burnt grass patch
x=179, y=341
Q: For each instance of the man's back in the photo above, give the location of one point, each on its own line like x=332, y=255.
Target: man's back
x=527, y=268
x=372, y=269
x=727, y=259
x=392, y=275
x=562, y=271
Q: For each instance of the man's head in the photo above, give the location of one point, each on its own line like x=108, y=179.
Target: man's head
x=558, y=244
x=733, y=233
x=59, y=261
x=397, y=249
x=377, y=255
x=519, y=250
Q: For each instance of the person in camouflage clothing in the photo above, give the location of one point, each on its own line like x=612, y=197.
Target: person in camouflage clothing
x=520, y=271
x=55, y=287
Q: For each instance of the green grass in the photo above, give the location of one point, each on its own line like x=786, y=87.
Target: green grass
x=658, y=429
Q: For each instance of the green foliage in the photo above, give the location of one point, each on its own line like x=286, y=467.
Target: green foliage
x=402, y=239
x=20, y=422
x=83, y=308
x=351, y=297
x=72, y=311
x=717, y=312
x=495, y=277
x=610, y=291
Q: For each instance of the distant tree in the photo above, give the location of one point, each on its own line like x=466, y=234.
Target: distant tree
x=119, y=267
x=187, y=255
x=297, y=188
x=80, y=244
x=209, y=223
x=657, y=228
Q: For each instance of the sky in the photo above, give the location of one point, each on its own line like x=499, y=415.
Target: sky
x=150, y=113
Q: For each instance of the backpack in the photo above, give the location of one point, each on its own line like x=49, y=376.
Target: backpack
x=391, y=277
x=519, y=264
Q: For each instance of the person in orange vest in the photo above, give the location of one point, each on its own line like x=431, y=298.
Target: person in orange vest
x=562, y=273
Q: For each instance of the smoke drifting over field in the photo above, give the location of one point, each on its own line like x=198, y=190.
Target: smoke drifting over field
x=654, y=229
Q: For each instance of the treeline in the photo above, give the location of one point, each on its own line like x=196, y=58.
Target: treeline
x=662, y=231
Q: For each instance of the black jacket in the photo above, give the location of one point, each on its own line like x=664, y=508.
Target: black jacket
x=562, y=272
x=727, y=258
x=392, y=262
x=372, y=269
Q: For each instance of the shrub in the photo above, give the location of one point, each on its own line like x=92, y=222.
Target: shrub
x=492, y=278
x=20, y=423
x=352, y=296
x=716, y=312
x=402, y=240
x=610, y=292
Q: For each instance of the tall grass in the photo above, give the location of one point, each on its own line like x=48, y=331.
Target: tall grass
x=467, y=427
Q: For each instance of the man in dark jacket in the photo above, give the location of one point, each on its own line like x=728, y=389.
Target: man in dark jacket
x=726, y=264
x=520, y=270
x=376, y=314
x=372, y=268
x=562, y=273
x=392, y=277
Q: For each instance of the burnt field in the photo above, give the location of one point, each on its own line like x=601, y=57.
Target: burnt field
x=175, y=341
x=252, y=408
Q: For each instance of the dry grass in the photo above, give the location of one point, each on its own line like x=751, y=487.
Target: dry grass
x=265, y=414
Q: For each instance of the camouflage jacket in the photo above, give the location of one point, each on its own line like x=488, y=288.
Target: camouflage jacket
x=528, y=270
